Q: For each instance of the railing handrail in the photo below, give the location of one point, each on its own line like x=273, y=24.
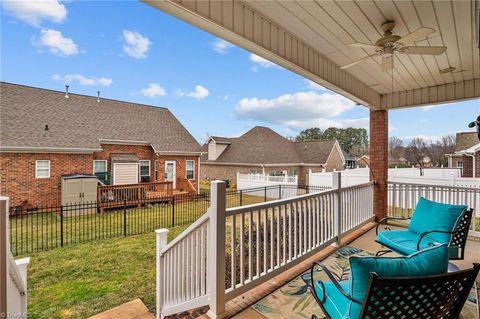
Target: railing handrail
x=436, y=186
x=139, y=184
x=15, y=275
x=199, y=222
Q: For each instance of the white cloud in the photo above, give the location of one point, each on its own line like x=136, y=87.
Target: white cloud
x=56, y=43
x=199, y=93
x=221, y=46
x=135, y=44
x=428, y=138
x=300, y=110
x=153, y=89
x=314, y=86
x=83, y=80
x=34, y=12
x=258, y=61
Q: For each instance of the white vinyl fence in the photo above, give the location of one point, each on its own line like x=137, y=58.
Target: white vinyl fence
x=228, y=251
x=428, y=176
x=263, y=182
x=403, y=197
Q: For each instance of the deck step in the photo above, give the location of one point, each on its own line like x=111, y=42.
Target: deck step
x=134, y=309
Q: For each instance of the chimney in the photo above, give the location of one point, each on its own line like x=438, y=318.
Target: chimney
x=98, y=96
x=66, y=91
x=46, y=127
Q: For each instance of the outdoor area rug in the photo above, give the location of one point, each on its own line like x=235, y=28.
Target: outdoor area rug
x=294, y=300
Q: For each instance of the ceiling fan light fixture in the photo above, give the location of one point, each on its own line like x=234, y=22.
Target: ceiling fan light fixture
x=448, y=70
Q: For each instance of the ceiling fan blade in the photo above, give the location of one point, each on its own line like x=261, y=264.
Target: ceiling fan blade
x=357, y=61
x=362, y=45
x=422, y=50
x=416, y=35
x=387, y=63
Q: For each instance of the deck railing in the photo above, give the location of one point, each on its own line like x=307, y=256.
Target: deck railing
x=403, y=197
x=245, y=246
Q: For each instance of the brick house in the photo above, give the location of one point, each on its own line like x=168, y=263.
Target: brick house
x=46, y=134
x=261, y=150
x=467, y=154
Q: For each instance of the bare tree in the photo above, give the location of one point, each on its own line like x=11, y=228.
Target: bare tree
x=416, y=151
x=394, y=145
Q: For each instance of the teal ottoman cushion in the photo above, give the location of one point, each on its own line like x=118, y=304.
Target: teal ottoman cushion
x=430, y=215
x=430, y=261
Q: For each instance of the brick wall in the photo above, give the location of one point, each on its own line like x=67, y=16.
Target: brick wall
x=334, y=161
x=467, y=166
x=18, y=176
x=18, y=171
x=379, y=160
x=477, y=164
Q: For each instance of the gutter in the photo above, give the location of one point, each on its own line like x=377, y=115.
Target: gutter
x=28, y=149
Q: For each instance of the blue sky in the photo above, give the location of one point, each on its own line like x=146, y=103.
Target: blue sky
x=131, y=51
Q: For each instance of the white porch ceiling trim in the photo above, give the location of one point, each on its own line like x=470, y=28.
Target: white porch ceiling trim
x=244, y=26
x=239, y=24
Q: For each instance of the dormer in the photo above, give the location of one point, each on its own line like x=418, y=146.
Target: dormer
x=216, y=146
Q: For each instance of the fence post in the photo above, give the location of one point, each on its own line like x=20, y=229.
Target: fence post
x=162, y=235
x=265, y=195
x=61, y=226
x=337, y=205
x=216, y=250
x=125, y=218
x=173, y=211
x=4, y=251
x=241, y=197
x=279, y=191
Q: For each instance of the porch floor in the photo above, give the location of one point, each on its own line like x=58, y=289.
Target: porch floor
x=241, y=305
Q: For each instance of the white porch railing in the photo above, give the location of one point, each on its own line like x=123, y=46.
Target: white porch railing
x=13, y=273
x=229, y=251
x=403, y=197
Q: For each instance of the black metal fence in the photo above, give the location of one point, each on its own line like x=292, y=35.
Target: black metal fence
x=50, y=227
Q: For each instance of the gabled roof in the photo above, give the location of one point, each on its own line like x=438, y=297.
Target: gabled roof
x=262, y=145
x=80, y=122
x=221, y=140
x=465, y=140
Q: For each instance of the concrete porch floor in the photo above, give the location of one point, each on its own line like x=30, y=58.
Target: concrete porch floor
x=365, y=242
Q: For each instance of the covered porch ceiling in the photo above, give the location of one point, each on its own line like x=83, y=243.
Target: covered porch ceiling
x=312, y=38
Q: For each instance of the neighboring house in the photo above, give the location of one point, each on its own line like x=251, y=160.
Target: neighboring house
x=261, y=150
x=46, y=134
x=363, y=161
x=467, y=154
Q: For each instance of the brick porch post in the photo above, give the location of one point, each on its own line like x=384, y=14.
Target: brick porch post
x=379, y=160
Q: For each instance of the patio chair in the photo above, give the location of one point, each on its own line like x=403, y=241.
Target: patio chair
x=431, y=223
x=414, y=286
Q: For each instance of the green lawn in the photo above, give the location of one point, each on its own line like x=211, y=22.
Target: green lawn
x=81, y=280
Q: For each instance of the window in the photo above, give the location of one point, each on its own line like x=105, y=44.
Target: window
x=190, y=169
x=99, y=166
x=42, y=169
x=145, y=171
x=293, y=172
x=459, y=164
x=155, y=169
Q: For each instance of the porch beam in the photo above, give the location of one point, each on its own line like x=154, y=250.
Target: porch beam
x=446, y=93
x=236, y=22
x=379, y=161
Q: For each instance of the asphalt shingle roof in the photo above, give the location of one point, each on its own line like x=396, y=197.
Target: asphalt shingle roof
x=465, y=140
x=81, y=122
x=261, y=145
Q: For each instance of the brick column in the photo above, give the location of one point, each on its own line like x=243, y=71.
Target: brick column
x=379, y=160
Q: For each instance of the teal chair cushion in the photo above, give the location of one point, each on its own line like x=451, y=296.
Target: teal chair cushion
x=430, y=261
x=403, y=241
x=430, y=215
x=336, y=304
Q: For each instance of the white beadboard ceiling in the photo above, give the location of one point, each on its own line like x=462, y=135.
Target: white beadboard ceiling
x=312, y=37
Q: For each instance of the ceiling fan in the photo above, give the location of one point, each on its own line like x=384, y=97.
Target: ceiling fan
x=391, y=43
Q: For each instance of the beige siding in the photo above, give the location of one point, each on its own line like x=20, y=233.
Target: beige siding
x=125, y=173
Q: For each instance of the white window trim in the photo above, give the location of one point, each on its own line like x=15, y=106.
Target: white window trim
x=140, y=169
x=186, y=169
x=36, y=169
x=106, y=165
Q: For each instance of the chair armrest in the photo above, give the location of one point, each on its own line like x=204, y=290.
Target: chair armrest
x=334, y=281
x=384, y=219
x=425, y=233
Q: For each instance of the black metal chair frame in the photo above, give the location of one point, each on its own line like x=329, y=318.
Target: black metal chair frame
x=394, y=297
x=459, y=235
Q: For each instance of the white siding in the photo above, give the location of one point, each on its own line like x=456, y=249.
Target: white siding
x=125, y=173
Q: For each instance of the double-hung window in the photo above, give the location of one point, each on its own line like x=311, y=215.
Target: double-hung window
x=190, y=169
x=99, y=166
x=42, y=169
x=144, y=171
